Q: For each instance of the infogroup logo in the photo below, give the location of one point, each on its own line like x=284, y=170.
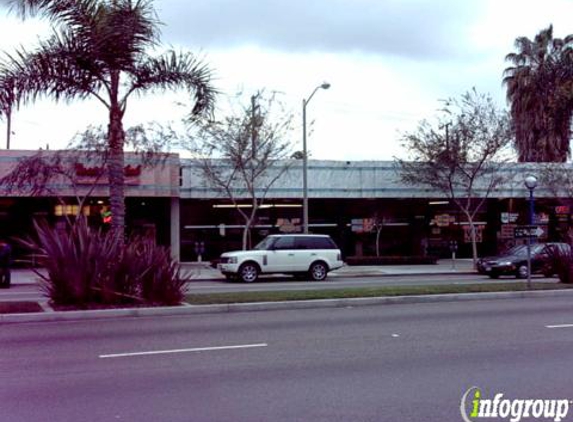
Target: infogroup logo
x=475, y=407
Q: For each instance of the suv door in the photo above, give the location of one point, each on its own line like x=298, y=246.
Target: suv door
x=281, y=257
x=305, y=253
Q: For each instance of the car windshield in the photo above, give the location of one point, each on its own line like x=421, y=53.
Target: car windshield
x=522, y=251
x=265, y=244
x=516, y=250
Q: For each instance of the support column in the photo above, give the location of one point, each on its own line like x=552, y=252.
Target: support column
x=175, y=224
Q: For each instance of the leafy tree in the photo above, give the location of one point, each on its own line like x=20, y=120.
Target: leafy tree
x=461, y=154
x=539, y=86
x=244, y=154
x=100, y=49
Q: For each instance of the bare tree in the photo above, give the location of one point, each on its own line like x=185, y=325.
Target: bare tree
x=245, y=153
x=460, y=155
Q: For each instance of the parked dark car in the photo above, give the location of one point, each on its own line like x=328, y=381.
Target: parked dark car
x=514, y=261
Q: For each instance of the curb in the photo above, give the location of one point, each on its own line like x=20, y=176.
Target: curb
x=270, y=306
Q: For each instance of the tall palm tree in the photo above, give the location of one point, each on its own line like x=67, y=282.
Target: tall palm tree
x=7, y=103
x=100, y=49
x=538, y=88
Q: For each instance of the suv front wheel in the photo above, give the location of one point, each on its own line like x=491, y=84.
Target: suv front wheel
x=318, y=271
x=249, y=272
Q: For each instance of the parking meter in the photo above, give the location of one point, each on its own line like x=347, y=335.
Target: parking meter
x=453, y=250
x=199, y=250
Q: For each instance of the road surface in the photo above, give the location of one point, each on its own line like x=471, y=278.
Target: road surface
x=380, y=363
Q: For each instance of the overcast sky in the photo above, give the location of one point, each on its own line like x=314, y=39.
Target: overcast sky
x=389, y=62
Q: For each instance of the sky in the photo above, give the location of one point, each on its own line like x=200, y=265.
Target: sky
x=389, y=63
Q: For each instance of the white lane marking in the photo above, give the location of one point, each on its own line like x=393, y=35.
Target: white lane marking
x=197, y=349
x=560, y=326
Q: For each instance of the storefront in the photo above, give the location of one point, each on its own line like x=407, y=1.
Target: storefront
x=363, y=205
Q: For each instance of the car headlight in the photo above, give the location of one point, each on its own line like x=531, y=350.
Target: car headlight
x=232, y=260
x=506, y=263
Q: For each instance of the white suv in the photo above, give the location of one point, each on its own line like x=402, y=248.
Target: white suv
x=308, y=255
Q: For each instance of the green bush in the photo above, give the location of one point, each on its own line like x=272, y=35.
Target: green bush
x=86, y=267
x=561, y=263
x=158, y=276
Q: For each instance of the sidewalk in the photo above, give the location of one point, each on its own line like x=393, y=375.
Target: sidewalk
x=202, y=271
x=197, y=271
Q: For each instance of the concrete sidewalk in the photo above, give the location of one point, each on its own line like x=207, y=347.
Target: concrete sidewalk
x=204, y=272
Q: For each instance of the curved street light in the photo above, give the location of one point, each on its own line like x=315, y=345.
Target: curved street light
x=324, y=85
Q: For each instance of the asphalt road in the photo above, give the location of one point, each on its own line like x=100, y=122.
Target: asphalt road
x=383, y=363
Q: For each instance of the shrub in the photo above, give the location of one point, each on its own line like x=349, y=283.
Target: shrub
x=158, y=276
x=561, y=263
x=85, y=267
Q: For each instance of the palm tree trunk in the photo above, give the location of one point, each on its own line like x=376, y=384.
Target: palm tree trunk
x=8, y=126
x=116, y=163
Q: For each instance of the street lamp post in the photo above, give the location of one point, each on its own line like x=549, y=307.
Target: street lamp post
x=324, y=85
x=531, y=184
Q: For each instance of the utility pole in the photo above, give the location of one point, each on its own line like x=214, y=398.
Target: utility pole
x=254, y=124
x=447, y=126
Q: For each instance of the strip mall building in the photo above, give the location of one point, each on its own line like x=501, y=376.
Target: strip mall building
x=350, y=200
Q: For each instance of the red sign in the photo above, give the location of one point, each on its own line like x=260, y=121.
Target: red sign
x=128, y=171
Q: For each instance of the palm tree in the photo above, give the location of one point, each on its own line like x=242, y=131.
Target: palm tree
x=100, y=49
x=7, y=102
x=538, y=88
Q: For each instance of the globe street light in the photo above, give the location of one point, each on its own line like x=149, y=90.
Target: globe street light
x=324, y=85
x=531, y=184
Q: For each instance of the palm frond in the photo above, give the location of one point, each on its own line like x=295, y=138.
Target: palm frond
x=174, y=70
x=59, y=68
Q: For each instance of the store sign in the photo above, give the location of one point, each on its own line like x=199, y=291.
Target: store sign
x=96, y=174
x=357, y=225
x=542, y=218
x=362, y=225
x=286, y=225
x=509, y=217
x=507, y=231
x=444, y=220
x=468, y=233
x=562, y=213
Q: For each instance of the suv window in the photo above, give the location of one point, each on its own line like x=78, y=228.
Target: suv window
x=285, y=242
x=314, y=242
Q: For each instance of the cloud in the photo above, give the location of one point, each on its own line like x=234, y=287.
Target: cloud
x=413, y=29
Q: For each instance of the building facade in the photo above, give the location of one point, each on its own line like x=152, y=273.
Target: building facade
x=363, y=205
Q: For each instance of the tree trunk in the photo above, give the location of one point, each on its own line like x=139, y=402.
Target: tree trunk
x=474, y=242
x=248, y=223
x=116, y=163
x=8, y=126
x=246, y=235
x=378, y=231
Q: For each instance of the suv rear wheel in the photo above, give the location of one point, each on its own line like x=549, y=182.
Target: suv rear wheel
x=318, y=271
x=249, y=272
